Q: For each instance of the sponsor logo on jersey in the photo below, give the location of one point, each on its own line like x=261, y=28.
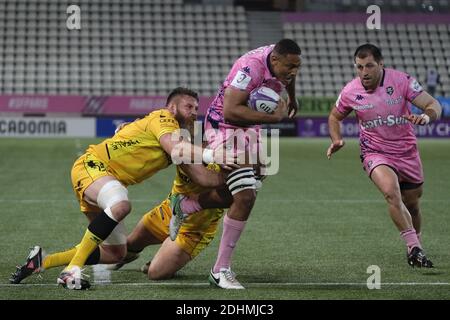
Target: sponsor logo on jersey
x=363, y=107
x=95, y=164
x=389, y=121
x=391, y=102
x=116, y=145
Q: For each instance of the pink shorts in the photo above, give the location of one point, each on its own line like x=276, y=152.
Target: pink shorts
x=240, y=139
x=408, y=167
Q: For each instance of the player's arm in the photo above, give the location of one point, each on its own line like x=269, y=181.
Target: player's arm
x=236, y=111
x=182, y=151
x=292, y=104
x=431, y=109
x=202, y=176
x=334, y=126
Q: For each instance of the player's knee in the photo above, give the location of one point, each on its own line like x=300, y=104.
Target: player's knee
x=121, y=209
x=392, y=197
x=114, y=195
x=413, y=206
x=240, y=181
x=155, y=273
x=245, y=198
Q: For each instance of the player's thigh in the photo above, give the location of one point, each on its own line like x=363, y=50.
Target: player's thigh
x=168, y=260
x=386, y=180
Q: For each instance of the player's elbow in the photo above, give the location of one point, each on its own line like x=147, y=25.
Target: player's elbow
x=232, y=113
x=436, y=107
x=229, y=115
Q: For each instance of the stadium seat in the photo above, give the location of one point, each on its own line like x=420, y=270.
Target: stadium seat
x=398, y=41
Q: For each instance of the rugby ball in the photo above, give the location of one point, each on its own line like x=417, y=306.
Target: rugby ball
x=263, y=99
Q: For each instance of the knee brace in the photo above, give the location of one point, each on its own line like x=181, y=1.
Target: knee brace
x=241, y=179
x=111, y=193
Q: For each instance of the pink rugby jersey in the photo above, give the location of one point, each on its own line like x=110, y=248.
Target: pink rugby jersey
x=383, y=128
x=250, y=71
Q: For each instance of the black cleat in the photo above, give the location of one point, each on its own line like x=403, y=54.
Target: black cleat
x=32, y=265
x=417, y=258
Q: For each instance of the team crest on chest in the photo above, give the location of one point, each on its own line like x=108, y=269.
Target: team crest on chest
x=389, y=90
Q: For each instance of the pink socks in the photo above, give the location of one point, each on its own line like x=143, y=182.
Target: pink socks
x=411, y=239
x=232, y=230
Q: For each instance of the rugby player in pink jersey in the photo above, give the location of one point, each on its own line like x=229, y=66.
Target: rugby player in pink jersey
x=274, y=66
x=380, y=98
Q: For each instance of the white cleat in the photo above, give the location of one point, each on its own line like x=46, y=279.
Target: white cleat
x=73, y=279
x=178, y=216
x=225, y=279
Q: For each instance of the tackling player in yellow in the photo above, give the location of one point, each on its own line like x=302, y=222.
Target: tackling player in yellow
x=101, y=175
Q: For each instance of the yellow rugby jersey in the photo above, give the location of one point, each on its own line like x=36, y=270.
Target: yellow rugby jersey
x=134, y=153
x=183, y=184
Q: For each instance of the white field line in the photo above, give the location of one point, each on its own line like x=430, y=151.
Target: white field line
x=247, y=284
x=258, y=200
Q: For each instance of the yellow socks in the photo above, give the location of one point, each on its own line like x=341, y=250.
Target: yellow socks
x=87, y=245
x=58, y=259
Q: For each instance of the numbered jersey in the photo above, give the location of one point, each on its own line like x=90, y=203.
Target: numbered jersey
x=134, y=153
x=250, y=71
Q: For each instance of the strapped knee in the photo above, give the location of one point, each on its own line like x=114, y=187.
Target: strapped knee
x=111, y=193
x=241, y=179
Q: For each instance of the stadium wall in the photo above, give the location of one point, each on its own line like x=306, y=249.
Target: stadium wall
x=84, y=116
x=86, y=105
x=64, y=127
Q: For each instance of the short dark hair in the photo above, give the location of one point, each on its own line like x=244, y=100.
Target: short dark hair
x=366, y=50
x=181, y=91
x=287, y=46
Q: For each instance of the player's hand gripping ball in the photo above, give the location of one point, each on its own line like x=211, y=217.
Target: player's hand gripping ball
x=263, y=99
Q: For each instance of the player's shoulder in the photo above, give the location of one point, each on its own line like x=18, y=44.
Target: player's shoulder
x=160, y=114
x=256, y=58
x=401, y=80
x=396, y=75
x=390, y=72
x=351, y=86
x=250, y=65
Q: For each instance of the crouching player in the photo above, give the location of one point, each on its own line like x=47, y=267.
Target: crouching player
x=195, y=234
